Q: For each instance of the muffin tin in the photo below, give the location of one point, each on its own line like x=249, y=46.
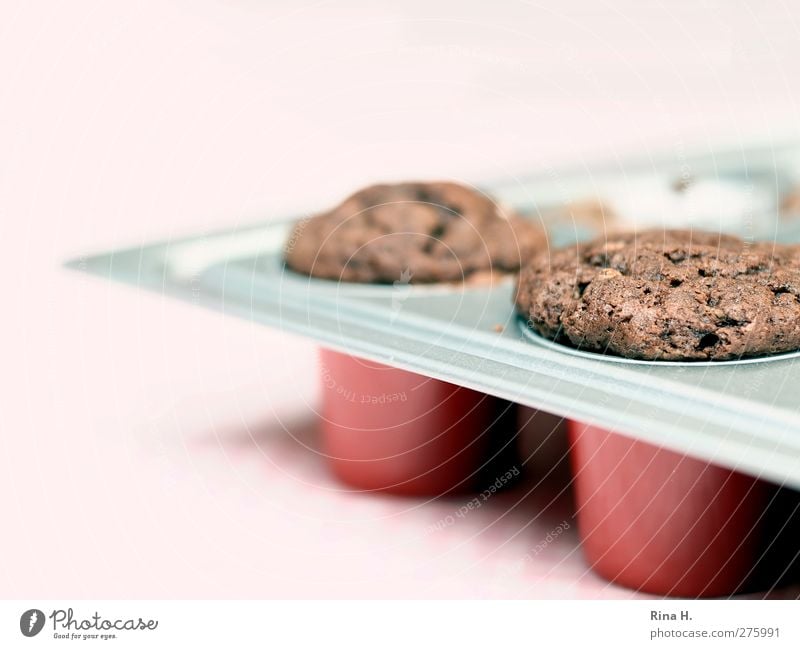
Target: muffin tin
x=742, y=417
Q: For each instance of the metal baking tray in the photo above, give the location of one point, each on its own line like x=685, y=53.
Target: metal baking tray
x=742, y=415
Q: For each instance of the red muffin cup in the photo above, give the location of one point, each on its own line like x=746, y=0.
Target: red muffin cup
x=390, y=430
x=660, y=522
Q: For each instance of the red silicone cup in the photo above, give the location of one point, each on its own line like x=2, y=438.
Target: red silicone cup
x=660, y=522
x=389, y=430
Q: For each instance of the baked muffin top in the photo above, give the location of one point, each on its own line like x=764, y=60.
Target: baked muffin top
x=413, y=232
x=666, y=295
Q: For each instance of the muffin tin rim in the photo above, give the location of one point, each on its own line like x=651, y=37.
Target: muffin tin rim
x=530, y=334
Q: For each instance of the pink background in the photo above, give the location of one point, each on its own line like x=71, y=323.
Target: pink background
x=150, y=449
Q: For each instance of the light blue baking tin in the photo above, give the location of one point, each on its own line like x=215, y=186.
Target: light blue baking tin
x=745, y=415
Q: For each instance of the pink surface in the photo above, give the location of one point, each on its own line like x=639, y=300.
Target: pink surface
x=150, y=449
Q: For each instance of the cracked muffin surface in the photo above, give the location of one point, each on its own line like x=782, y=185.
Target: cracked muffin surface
x=666, y=295
x=412, y=232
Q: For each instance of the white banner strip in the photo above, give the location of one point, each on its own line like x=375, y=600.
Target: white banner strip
x=403, y=624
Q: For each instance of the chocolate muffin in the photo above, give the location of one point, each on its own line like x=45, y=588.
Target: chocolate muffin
x=414, y=232
x=667, y=295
